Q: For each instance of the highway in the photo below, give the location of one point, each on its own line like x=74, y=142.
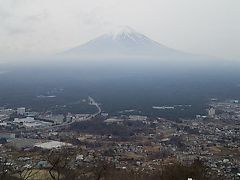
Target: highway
x=93, y=103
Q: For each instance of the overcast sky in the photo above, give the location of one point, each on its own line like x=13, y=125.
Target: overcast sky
x=41, y=27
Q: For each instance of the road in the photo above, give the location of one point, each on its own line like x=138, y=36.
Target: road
x=93, y=103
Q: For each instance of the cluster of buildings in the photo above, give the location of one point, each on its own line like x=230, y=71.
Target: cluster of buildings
x=20, y=119
x=154, y=142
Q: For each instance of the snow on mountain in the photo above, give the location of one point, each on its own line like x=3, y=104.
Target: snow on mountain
x=126, y=32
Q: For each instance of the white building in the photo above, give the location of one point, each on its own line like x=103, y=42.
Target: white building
x=211, y=112
x=113, y=120
x=137, y=118
x=30, y=122
x=57, y=119
x=52, y=145
x=24, y=120
x=21, y=111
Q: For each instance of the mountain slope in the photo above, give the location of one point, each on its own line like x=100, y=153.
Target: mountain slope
x=125, y=42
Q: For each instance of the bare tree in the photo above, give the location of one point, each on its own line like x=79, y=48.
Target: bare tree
x=6, y=168
x=27, y=172
x=59, y=161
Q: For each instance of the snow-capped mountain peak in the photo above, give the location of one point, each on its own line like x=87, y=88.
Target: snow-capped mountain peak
x=122, y=42
x=122, y=30
x=125, y=32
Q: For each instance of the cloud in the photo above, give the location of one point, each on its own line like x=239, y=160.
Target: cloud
x=3, y=72
x=48, y=26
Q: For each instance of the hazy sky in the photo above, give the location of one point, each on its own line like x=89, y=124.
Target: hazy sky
x=34, y=27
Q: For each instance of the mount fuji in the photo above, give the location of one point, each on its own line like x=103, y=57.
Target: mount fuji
x=123, y=43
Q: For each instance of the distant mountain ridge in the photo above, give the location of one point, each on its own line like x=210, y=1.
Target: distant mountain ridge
x=124, y=42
